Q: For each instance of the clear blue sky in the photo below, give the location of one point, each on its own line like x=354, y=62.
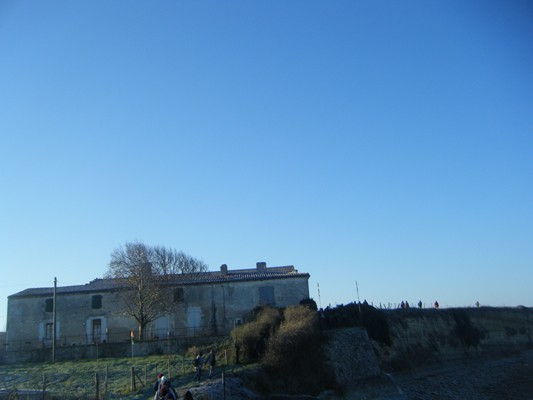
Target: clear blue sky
x=386, y=143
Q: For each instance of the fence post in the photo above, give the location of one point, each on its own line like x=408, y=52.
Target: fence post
x=168, y=367
x=97, y=386
x=132, y=379
x=106, y=378
x=44, y=385
x=146, y=373
x=224, y=382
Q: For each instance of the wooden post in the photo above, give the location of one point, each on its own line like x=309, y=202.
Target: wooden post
x=44, y=385
x=146, y=373
x=168, y=367
x=106, y=378
x=54, y=321
x=132, y=337
x=224, y=382
x=132, y=379
x=97, y=386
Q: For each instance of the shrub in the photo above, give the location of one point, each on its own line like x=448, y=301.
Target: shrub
x=310, y=303
x=376, y=325
x=360, y=315
x=465, y=331
x=294, y=357
x=250, y=340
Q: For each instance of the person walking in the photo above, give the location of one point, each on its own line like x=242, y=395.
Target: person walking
x=212, y=361
x=198, y=365
x=157, y=386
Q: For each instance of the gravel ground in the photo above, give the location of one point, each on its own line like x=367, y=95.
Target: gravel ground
x=493, y=379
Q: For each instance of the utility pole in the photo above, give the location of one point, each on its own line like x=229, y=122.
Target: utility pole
x=54, y=323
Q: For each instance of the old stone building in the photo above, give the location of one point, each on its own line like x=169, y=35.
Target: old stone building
x=202, y=304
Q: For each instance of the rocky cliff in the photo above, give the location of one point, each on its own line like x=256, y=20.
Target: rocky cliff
x=421, y=337
x=424, y=338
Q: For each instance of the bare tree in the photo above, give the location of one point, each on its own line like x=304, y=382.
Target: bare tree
x=172, y=262
x=145, y=271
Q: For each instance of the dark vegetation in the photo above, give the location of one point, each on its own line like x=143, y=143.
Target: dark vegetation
x=288, y=343
x=468, y=334
x=361, y=315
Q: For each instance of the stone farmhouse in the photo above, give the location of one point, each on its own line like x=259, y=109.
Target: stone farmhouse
x=203, y=304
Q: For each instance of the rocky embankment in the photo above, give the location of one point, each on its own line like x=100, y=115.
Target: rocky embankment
x=471, y=353
x=499, y=378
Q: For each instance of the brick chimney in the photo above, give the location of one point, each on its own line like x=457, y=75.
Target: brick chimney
x=224, y=269
x=261, y=266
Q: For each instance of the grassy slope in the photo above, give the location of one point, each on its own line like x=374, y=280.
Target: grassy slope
x=65, y=378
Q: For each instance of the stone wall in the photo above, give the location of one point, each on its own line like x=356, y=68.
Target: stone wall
x=422, y=337
x=349, y=355
x=109, y=350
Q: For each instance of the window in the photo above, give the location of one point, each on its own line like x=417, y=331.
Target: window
x=266, y=295
x=49, y=305
x=178, y=295
x=97, y=301
x=49, y=330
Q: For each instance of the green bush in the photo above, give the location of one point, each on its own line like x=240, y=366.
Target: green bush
x=250, y=340
x=294, y=357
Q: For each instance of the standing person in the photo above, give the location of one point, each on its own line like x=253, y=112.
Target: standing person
x=212, y=360
x=157, y=386
x=198, y=365
x=163, y=389
x=167, y=391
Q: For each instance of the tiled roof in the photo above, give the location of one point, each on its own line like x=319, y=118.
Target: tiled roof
x=211, y=277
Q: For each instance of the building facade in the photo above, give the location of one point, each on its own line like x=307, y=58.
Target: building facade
x=208, y=304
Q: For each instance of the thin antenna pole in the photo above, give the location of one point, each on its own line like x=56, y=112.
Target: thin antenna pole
x=319, y=301
x=358, y=301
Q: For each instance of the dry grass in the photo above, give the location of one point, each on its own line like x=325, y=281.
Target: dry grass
x=77, y=379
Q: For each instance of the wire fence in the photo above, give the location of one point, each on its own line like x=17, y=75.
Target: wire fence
x=107, y=379
x=124, y=336
x=33, y=352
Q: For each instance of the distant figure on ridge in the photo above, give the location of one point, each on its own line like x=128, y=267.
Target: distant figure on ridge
x=436, y=304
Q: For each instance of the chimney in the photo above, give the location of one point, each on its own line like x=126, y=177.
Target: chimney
x=261, y=266
x=146, y=268
x=224, y=269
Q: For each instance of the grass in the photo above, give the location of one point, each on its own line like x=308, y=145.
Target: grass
x=77, y=379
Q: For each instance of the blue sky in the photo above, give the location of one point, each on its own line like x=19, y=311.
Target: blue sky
x=385, y=143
